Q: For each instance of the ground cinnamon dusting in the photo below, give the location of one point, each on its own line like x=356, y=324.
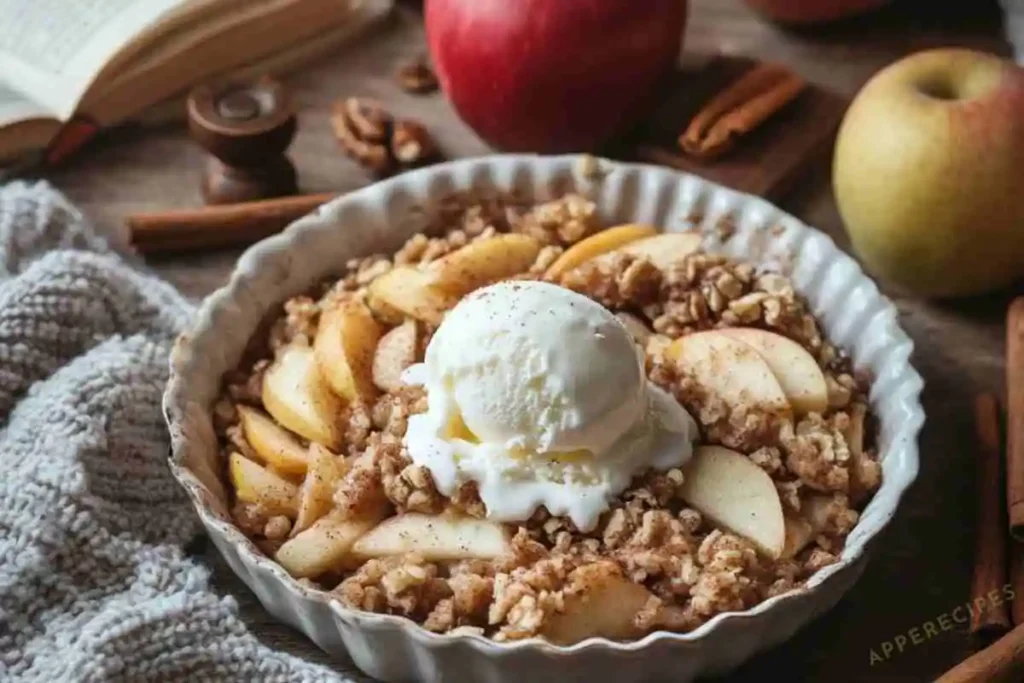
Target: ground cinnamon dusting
x=649, y=537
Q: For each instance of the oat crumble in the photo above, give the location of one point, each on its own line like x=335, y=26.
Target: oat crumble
x=650, y=538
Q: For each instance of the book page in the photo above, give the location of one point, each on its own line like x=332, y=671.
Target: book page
x=191, y=16
x=280, y=64
x=50, y=50
x=179, y=59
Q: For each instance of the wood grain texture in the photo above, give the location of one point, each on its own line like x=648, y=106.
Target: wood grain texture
x=920, y=570
x=768, y=161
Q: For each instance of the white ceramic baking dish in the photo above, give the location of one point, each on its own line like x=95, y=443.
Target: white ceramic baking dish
x=379, y=218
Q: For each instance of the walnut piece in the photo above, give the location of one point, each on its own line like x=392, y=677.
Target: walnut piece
x=560, y=221
x=363, y=129
x=368, y=133
x=822, y=465
x=417, y=77
x=411, y=144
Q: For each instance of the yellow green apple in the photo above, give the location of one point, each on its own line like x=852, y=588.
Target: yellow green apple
x=929, y=173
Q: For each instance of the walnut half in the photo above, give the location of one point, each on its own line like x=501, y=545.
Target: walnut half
x=363, y=129
x=368, y=133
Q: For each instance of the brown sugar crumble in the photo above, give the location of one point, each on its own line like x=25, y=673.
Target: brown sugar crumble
x=675, y=567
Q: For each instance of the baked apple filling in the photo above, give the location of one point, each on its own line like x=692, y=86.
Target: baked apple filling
x=525, y=423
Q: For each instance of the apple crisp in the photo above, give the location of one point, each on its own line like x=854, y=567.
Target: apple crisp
x=312, y=427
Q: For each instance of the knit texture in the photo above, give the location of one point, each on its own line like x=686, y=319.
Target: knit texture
x=94, y=581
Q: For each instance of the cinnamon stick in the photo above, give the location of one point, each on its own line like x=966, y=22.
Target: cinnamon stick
x=739, y=109
x=218, y=226
x=1017, y=582
x=1001, y=662
x=1015, y=417
x=990, y=615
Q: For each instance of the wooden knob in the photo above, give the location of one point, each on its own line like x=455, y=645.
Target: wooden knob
x=246, y=129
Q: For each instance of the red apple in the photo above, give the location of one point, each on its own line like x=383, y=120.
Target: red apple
x=551, y=75
x=812, y=11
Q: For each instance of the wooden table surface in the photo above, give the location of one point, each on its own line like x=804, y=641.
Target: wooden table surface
x=921, y=568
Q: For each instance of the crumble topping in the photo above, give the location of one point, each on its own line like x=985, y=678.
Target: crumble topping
x=627, y=282
x=816, y=451
x=562, y=221
x=688, y=569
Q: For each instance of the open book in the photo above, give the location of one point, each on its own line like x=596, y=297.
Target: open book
x=70, y=68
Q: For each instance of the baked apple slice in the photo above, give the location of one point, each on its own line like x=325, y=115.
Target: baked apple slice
x=597, y=244
x=255, y=484
x=297, y=396
x=344, y=346
x=316, y=497
x=275, y=445
x=734, y=493
x=324, y=546
x=799, y=533
x=855, y=432
x=426, y=293
x=601, y=602
x=396, y=351
x=729, y=369
x=405, y=291
x=441, y=537
x=662, y=250
x=812, y=520
x=799, y=375
x=483, y=262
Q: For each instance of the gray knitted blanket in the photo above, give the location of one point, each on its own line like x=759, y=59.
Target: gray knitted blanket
x=94, y=581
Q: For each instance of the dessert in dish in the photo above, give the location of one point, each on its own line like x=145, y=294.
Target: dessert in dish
x=525, y=423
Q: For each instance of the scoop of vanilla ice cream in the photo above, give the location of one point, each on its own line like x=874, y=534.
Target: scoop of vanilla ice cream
x=538, y=395
x=536, y=367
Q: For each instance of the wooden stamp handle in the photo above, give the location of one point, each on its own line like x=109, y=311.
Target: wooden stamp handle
x=242, y=124
x=246, y=129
